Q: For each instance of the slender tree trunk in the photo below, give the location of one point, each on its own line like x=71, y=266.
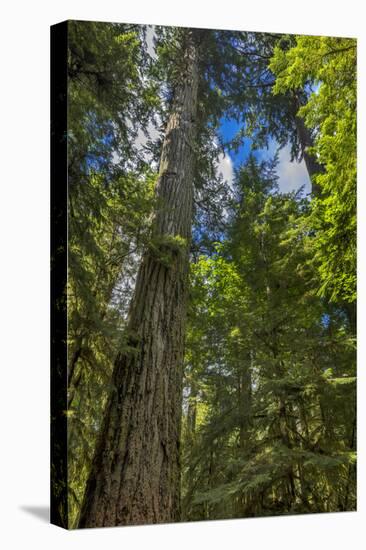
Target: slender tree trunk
x=352, y=471
x=192, y=412
x=244, y=390
x=306, y=140
x=245, y=401
x=312, y=166
x=135, y=476
x=74, y=359
x=351, y=312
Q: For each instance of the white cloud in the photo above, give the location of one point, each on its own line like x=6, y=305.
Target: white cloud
x=150, y=35
x=292, y=175
x=142, y=138
x=116, y=157
x=225, y=168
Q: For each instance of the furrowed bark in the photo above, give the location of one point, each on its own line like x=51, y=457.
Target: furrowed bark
x=135, y=476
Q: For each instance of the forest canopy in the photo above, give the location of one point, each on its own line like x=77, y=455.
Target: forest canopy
x=211, y=318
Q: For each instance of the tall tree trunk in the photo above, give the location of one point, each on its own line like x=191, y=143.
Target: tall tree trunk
x=135, y=475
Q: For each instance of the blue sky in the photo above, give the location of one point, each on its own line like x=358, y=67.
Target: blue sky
x=292, y=175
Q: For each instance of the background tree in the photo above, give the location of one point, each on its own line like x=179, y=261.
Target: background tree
x=329, y=63
x=274, y=392
x=109, y=204
x=263, y=117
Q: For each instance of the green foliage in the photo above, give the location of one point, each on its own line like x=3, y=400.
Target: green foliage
x=107, y=228
x=272, y=366
x=108, y=97
x=165, y=247
x=268, y=422
x=329, y=64
x=109, y=208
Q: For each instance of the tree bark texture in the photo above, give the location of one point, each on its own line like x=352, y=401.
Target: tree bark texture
x=135, y=475
x=306, y=141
